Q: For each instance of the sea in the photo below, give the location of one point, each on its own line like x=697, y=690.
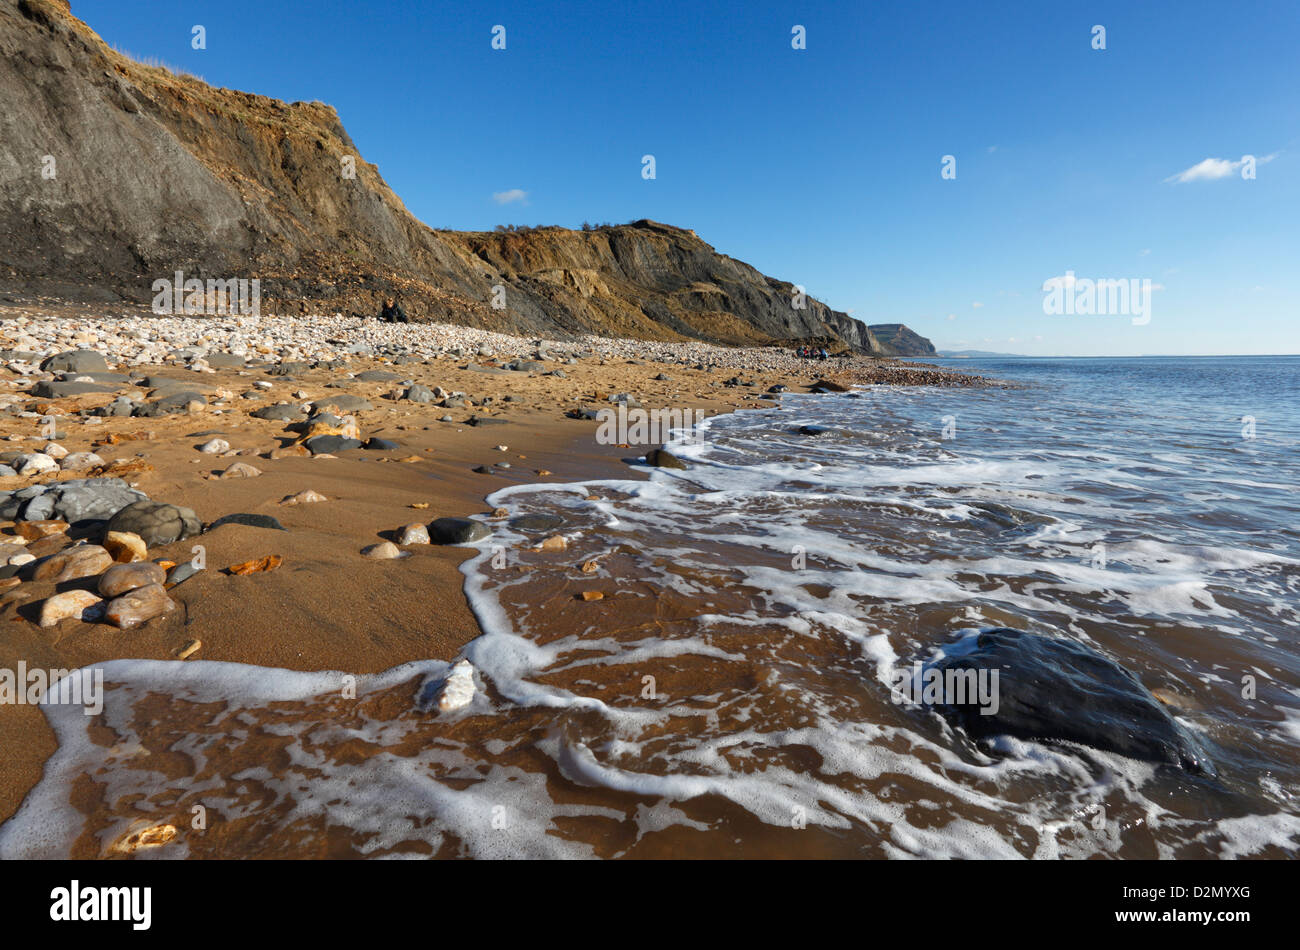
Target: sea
x=731, y=693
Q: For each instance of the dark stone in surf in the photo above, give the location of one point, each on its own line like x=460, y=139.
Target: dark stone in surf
x=659, y=458
x=536, y=523
x=1055, y=690
x=827, y=386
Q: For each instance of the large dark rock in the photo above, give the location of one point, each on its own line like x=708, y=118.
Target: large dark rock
x=173, y=402
x=329, y=444
x=156, y=522
x=457, y=531
x=1051, y=689
x=288, y=369
x=280, y=412
x=57, y=389
x=76, y=361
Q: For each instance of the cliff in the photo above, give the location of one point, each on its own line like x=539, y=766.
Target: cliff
x=114, y=174
x=896, y=339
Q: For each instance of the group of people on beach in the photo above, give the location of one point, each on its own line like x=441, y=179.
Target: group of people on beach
x=812, y=353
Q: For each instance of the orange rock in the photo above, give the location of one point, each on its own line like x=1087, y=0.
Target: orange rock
x=556, y=542
x=125, y=547
x=592, y=595
x=591, y=567
x=35, y=530
x=141, y=835
x=262, y=565
x=500, y=512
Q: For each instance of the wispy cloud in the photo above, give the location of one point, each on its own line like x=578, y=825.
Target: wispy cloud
x=508, y=197
x=1214, y=168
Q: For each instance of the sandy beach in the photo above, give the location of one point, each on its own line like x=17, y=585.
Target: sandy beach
x=327, y=607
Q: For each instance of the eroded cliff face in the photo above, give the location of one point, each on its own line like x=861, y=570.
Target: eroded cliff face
x=898, y=339
x=114, y=174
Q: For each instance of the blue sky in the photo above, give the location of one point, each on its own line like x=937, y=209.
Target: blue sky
x=822, y=166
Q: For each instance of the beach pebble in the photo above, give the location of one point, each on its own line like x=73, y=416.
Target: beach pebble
x=125, y=547
x=120, y=578
x=303, y=498
x=189, y=649
x=182, y=572
x=384, y=550
x=80, y=461
x=458, y=688
x=55, y=451
x=82, y=560
x=77, y=604
x=556, y=542
x=35, y=530
x=415, y=533
x=241, y=470
x=137, y=606
x=214, y=447
x=16, y=555
x=35, y=463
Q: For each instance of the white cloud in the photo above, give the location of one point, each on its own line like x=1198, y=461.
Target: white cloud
x=507, y=197
x=1144, y=252
x=1211, y=169
x=952, y=316
x=976, y=305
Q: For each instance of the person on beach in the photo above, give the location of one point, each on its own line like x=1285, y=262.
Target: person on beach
x=393, y=313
